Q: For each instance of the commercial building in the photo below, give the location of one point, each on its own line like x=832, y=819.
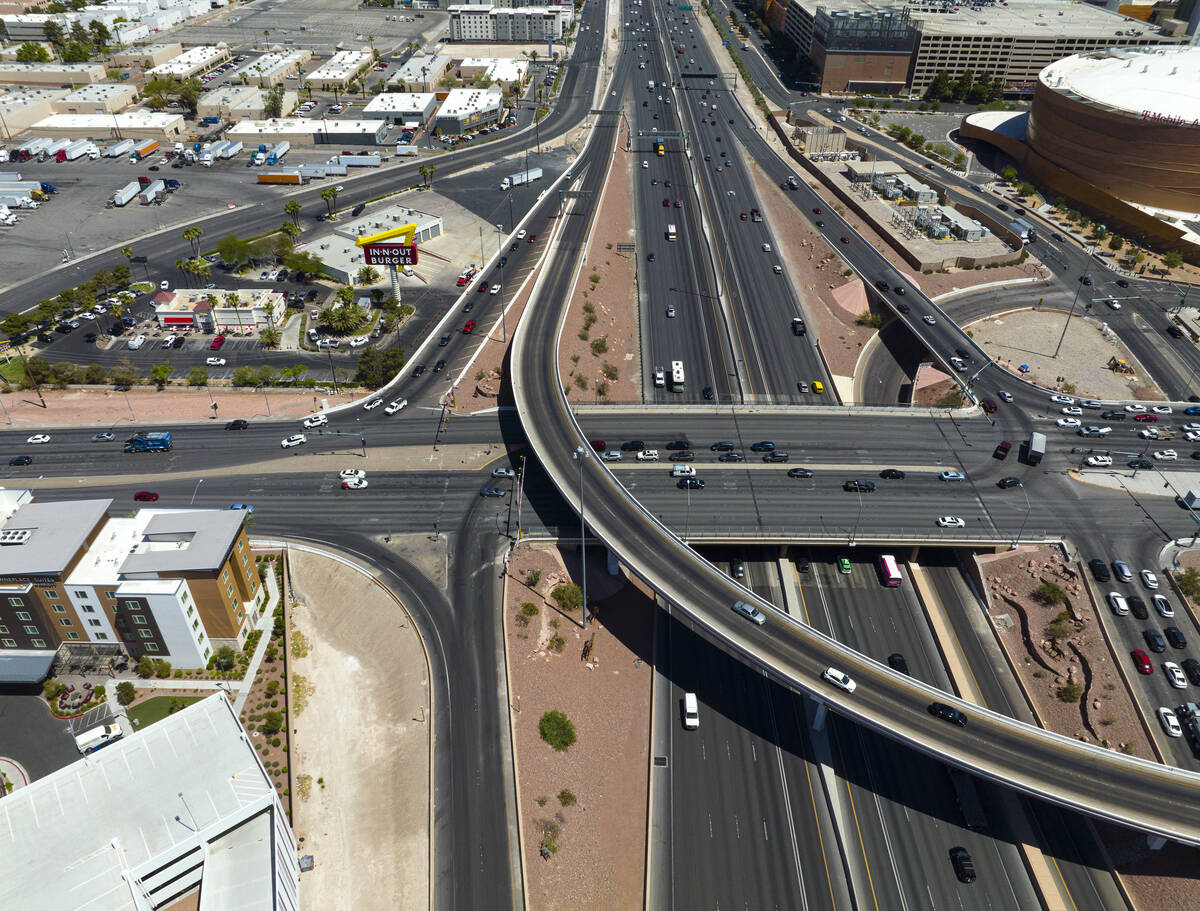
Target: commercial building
x=502, y=71
x=52, y=73
x=256, y=309
x=20, y=108
x=181, y=814
x=219, y=102
x=420, y=72
x=154, y=53
x=526, y=24
x=468, y=109
x=305, y=132
x=101, y=98
x=341, y=69
x=343, y=259
x=895, y=45
x=192, y=62
x=272, y=69
x=130, y=125
x=401, y=107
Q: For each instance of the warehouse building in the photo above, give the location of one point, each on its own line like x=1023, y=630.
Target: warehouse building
x=241, y=102
x=21, y=108
x=420, y=72
x=300, y=131
x=181, y=814
x=469, y=109
x=192, y=62
x=341, y=69
x=343, y=259
x=102, y=98
x=130, y=125
x=402, y=107
x=52, y=73
x=155, y=53
x=272, y=69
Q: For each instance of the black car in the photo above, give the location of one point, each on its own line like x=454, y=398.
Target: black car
x=1154, y=640
x=633, y=446
x=649, y=257
x=1175, y=636
x=358, y=210
x=964, y=867
x=1086, y=279
x=899, y=289
x=1099, y=570
x=897, y=663
x=177, y=341
x=892, y=474
x=762, y=446
x=468, y=306
x=859, y=485
x=775, y=456
x=731, y=457
x=882, y=285
x=45, y=337
x=707, y=392
x=444, y=341
x=21, y=460
x=64, y=328
x=1191, y=667
x=684, y=455
x=679, y=444
x=1137, y=607
x=1003, y=207
x=690, y=484
x=439, y=366
x=1122, y=283
x=1113, y=415
x=237, y=424
x=1174, y=332
x=903, y=307
x=947, y=713
x=800, y=473
x=1006, y=483
x=418, y=370
x=723, y=446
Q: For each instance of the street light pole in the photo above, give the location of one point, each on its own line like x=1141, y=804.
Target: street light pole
x=1075, y=300
x=195, y=491
x=499, y=250
x=1028, y=510
x=581, y=455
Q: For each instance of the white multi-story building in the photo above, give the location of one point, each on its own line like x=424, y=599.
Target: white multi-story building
x=526, y=24
x=468, y=109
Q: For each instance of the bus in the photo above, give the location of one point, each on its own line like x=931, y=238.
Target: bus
x=889, y=572
x=677, y=379
x=670, y=232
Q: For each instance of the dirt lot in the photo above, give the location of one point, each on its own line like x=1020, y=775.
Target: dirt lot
x=589, y=801
x=361, y=743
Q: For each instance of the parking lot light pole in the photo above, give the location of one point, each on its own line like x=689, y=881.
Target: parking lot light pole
x=581, y=455
x=499, y=251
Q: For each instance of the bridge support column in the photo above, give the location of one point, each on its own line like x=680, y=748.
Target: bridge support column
x=1155, y=842
x=819, y=717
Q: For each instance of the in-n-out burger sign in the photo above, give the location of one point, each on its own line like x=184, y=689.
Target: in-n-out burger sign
x=1169, y=120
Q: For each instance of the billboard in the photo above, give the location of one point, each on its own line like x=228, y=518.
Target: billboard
x=390, y=254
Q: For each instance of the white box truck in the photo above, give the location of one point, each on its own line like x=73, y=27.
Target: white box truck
x=91, y=740
x=521, y=177
x=153, y=193
x=126, y=193
x=77, y=149
x=121, y=148
x=232, y=148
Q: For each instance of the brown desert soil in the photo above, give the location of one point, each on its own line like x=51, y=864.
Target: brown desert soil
x=1155, y=880
x=1106, y=714
x=601, y=837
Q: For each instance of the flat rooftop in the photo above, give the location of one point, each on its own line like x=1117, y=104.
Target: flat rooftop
x=467, y=101
x=41, y=539
x=284, y=126
x=183, y=540
x=126, y=120
x=1164, y=81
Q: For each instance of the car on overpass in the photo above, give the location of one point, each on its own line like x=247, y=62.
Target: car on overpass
x=750, y=612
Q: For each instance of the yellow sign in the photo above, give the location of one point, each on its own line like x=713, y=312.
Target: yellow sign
x=405, y=232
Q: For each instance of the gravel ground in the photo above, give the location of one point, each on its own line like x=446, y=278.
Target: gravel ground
x=1030, y=336
x=600, y=861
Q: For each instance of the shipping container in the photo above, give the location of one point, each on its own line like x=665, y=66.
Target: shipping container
x=277, y=154
x=142, y=149
x=77, y=149
x=231, y=149
x=124, y=147
x=292, y=176
x=57, y=146
x=154, y=192
x=6, y=176
x=360, y=160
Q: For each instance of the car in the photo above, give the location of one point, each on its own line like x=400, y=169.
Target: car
x=316, y=420
x=492, y=492
x=244, y=507
x=1122, y=283
x=532, y=238
x=1162, y=605
x=762, y=446
x=145, y=496
x=214, y=362
x=1146, y=418
x=468, y=327
x=1074, y=410
x=892, y=474
x=1149, y=579
x=444, y=341
x=647, y=455
x=354, y=484
x=964, y=867
x=21, y=460
x=372, y=404
x=177, y=342
x=347, y=474
x=521, y=234
x=1137, y=607
x=1135, y=408
x=216, y=343
x=708, y=393
x=237, y=424
x=1175, y=636
x=1165, y=455
x=690, y=484
x=1008, y=482
x=750, y=612
x=1068, y=422
x=1169, y=722
x=951, y=474
x=800, y=473
x=1174, y=675
x=1142, y=662
x=947, y=713
x=483, y=286
x=1154, y=640
x=1162, y=409
x=845, y=240
x=950, y=522
x=106, y=436
x=1113, y=415
x=858, y=485
x=296, y=439
x=775, y=455
x=1094, y=430
x=1099, y=570
x=840, y=679
x=439, y=365
x=777, y=269
x=1098, y=461
x=39, y=438
x=1191, y=668
x=722, y=446
x=929, y=319
x=988, y=405
x=395, y=407
x=766, y=248
x=1086, y=279
x=633, y=445
x=1062, y=399
x=418, y=370
x=731, y=457
x=1113, y=304
x=495, y=289
x=1002, y=450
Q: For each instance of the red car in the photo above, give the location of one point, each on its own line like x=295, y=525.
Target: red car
x=217, y=343
x=468, y=327
x=145, y=496
x=678, y=204
x=845, y=240
x=598, y=445
x=483, y=286
x=666, y=203
x=1146, y=418
x=532, y=238
x=1142, y=661
x=816, y=211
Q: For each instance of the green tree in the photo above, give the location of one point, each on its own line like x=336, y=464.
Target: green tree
x=272, y=722
x=54, y=33
x=376, y=368
x=192, y=236
x=76, y=52
x=1172, y=259
x=126, y=692
x=145, y=666
x=1189, y=583
x=367, y=275
x=160, y=374
x=244, y=376
x=224, y=659
x=308, y=88
x=329, y=194
x=233, y=250
x=289, y=230
x=1115, y=243
x=100, y=34
x=32, y=53
x=343, y=318
x=1051, y=593
x=568, y=597
x=1009, y=174
x=292, y=210
x=198, y=376
x=188, y=92
x=273, y=106
x=95, y=375
x=557, y=730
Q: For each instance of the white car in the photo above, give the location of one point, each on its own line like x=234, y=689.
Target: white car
x=951, y=475
x=840, y=679
x=1161, y=409
x=1062, y=399
x=1100, y=461
x=1148, y=433
x=215, y=362
x=1169, y=722
x=521, y=234
x=395, y=406
x=354, y=484
x=1112, y=304
x=1118, y=604
x=503, y=473
x=778, y=270
x=316, y=420
x=645, y=164
x=670, y=311
x=750, y=612
x=1166, y=455
x=1135, y=409
x=1149, y=579
x=1072, y=409
x=87, y=314
x=1068, y=422
x=950, y=522
x=1163, y=606
x=1091, y=403
x=1174, y=675
x=929, y=319
x=348, y=474
x=1192, y=436
x=39, y=438
x=372, y=405
x=648, y=455
x=1005, y=396
x=136, y=342
x=766, y=248
x=296, y=439
x=359, y=341
x=495, y=289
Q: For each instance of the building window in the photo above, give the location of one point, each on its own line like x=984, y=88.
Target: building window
x=229, y=589
x=79, y=594
x=146, y=634
x=195, y=625
x=132, y=605
x=30, y=630
x=64, y=621
x=95, y=623
x=10, y=643
x=225, y=575
x=151, y=647
x=241, y=544
x=101, y=635
x=139, y=619
x=58, y=608
x=23, y=615
x=39, y=643
x=49, y=593
x=191, y=610
x=3, y=630
x=71, y=634
x=16, y=602
x=111, y=596
x=88, y=609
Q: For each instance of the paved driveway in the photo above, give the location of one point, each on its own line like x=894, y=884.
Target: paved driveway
x=33, y=737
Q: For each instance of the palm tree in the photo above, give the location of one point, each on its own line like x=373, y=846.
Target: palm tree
x=127, y=252
x=423, y=170
x=367, y=275
x=292, y=209
x=290, y=229
x=329, y=194
x=308, y=88
x=234, y=300
x=432, y=169
x=182, y=267
x=192, y=236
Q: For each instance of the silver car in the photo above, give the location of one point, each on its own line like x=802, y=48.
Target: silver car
x=750, y=612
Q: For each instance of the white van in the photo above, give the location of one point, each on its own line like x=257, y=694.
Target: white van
x=680, y=470
x=92, y=740
x=660, y=377
x=691, y=712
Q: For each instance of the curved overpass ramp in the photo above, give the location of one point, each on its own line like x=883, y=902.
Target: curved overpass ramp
x=1097, y=781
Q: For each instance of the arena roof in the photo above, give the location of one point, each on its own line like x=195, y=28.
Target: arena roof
x=1162, y=82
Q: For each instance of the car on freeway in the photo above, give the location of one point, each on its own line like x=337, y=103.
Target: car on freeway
x=1146, y=418
x=1149, y=579
x=1006, y=483
x=296, y=439
x=1142, y=662
x=929, y=319
x=106, y=437
x=722, y=446
x=492, y=492
x=483, y=286
x=396, y=406
x=1174, y=675
x=762, y=446
x=214, y=362
x=750, y=612
x=1154, y=640
x=675, y=445
x=950, y=522
x=372, y=404
x=633, y=446
x=892, y=474
x=1099, y=461
x=1059, y=399
x=951, y=474
x=17, y=461
x=503, y=473
x=494, y=290
x=418, y=370
x=1162, y=605
x=237, y=424
x=800, y=473
x=145, y=496
x=1073, y=410
x=354, y=484
x=1068, y=422
x=647, y=455
x=964, y=867
x=439, y=365
x=708, y=393
x=1162, y=409
x=347, y=474
x=1165, y=455
x=1137, y=607
x=39, y=438
x=859, y=485
x=840, y=679
x=947, y=713
x=1169, y=722
x=1122, y=570
x=1099, y=570
x=1135, y=408
x=1191, y=668
x=316, y=420
x=1094, y=430
x=611, y=456
x=1192, y=409
x=690, y=484
x=1140, y=463
x=775, y=456
x=1175, y=636
x=731, y=457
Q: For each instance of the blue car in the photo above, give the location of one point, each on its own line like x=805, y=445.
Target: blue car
x=246, y=506
x=1194, y=409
